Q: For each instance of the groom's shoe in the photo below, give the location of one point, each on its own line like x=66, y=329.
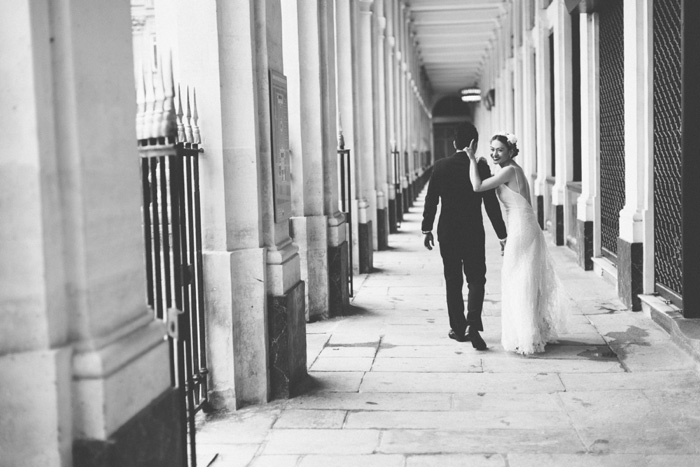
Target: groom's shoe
x=474, y=336
x=458, y=338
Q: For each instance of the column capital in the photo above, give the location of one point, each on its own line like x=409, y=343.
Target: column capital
x=381, y=20
x=391, y=40
x=366, y=6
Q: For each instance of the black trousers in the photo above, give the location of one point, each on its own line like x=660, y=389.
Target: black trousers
x=469, y=259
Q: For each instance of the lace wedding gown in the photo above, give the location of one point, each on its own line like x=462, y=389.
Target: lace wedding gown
x=532, y=310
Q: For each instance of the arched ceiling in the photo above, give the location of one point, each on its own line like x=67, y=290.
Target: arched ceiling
x=452, y=39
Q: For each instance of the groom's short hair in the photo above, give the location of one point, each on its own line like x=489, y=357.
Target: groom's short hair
x=464, y=134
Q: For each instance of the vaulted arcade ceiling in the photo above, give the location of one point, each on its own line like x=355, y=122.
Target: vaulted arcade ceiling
x=453, y=37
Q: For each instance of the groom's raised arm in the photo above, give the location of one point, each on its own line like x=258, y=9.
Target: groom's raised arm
x=493, y=209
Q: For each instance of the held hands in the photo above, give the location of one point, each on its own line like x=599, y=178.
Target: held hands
x=503, y=245
x=429, y=242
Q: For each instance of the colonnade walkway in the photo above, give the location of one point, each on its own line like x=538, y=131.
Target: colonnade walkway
x=388, y=388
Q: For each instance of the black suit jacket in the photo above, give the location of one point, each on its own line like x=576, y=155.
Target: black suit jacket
x=460, y=221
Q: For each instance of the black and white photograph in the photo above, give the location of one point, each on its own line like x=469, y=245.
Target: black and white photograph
x=350, y=233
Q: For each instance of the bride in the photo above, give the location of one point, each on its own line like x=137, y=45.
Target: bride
x=532, y=311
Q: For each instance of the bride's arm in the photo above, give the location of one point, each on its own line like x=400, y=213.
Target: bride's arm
x=490, y=183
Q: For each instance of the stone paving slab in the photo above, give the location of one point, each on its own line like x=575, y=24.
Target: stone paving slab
x=446, y=350
x=484, y=441
x=598, y=460
x=373, y=401
x=549, y=365
x=628, y=438
x=457, y=421
x=322, y=441
x=310, y=418
x=334, y=381
x=348, y=352
x=428, y=365
x=248, y=426
x=342, y=364
x=226, y=455
x=455, y=383
x=686, y=380
x=456, y=460
x=503, y=401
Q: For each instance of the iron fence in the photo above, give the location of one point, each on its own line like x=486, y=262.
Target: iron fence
x=612, y=125
x=346, y=202
x=668, y=245
x=169, y=146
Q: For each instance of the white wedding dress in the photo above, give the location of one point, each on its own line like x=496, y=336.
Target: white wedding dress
x=532, y=309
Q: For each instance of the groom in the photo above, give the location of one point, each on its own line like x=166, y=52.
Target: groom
x=461, y=234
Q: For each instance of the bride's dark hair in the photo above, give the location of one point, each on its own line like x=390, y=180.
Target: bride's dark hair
x=504, y=139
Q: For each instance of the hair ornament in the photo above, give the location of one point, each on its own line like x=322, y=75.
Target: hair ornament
x=512, y=139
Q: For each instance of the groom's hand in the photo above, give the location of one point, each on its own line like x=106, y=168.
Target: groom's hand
x=429, y=242
x=503, y=244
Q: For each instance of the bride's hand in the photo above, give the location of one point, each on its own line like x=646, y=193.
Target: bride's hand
x=471, y=150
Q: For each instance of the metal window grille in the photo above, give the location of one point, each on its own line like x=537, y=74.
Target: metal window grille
x=612, y=124
x=667, y=147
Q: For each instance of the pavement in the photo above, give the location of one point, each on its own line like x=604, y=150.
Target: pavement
x=388, y=388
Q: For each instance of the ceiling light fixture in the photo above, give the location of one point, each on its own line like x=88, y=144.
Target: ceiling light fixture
x=471, y=94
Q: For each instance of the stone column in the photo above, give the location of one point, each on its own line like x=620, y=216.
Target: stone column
x=529, y=139
x=285, y=289
x=83, y=361
x=390, y=105
x=380, y=139
x=518, y=80
x=544, y=150
x=563, y=116
x=338, y=248
x=304, y=69
x=346, y=108
x=588, y=214
x=638, y=148
x=35, y=352
x=368, y=218
x=235, y=276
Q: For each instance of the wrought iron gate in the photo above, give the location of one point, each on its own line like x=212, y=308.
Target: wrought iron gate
x=169, y=149
x=345, y=176
x=668, y=246
x=612, y=125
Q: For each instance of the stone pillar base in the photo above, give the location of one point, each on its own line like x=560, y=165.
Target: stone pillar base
x=382, y=231
x=630, y=273
x=235, y=301
x=584, y=244
x=540, y=211
x=154, y=437
x=366, y=247
x=399, y=208
x=558, y=224
x=393, y=225
x=338, y=279
x=287, y=342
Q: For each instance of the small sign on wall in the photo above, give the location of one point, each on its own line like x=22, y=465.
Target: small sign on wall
x=281, y=180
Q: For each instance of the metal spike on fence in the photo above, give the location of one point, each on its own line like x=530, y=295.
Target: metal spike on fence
x=140, y=104
x=188, y=118
x=169, y=125
x=158, y=104
x=197, y=139
x=180, y=125
x=341, y=139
